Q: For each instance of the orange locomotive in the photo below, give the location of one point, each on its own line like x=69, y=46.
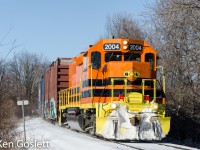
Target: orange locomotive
x=112, y=92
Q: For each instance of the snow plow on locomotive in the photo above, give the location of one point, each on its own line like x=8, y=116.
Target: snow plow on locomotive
x=112, y=92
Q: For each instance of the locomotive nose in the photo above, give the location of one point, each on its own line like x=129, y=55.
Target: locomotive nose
x=131, y=70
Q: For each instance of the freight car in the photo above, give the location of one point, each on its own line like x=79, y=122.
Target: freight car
x=55, y=79
x=41, y=93
x=112, y=92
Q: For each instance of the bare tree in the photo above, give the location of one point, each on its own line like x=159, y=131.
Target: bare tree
x=176, y=30
x=8, y=106
x=123, y=25
x=2, y=70
x=25, y=71
x=19, y=77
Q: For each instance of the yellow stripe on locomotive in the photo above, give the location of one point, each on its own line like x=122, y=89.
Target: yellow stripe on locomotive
x=113, y=92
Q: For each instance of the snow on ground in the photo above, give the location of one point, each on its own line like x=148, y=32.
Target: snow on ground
x=65, y=139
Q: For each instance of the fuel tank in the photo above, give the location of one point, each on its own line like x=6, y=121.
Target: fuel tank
x=75, y=119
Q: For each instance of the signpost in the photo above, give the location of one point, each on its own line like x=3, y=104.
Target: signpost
x=23, y=102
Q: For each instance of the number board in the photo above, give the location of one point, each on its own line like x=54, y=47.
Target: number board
x=111, y=46
x=135, y=47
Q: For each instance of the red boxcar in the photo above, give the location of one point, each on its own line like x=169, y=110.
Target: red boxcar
x=56, y=79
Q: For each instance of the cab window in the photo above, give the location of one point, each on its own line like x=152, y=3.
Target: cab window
x=85, y=63
x=149, y=57
x=131, y=57
x=96, y=60
x=111, y=56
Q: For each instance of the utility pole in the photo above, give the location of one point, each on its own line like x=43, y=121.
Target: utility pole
x=23, y=102
x=23, y=121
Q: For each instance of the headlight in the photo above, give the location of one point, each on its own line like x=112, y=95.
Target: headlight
x=125, y=47
x=125, y=42
x=155, y=106
x=114, y=106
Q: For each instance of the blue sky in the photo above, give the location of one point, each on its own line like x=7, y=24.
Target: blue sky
x=61, y=28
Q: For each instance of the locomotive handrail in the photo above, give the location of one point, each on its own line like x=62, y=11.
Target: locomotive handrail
x=154, y=88
x=91, y=81
x=67, y=94
x=163, y=78
x=125, y=87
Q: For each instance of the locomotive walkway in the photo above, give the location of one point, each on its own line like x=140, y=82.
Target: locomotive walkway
x=65, y=139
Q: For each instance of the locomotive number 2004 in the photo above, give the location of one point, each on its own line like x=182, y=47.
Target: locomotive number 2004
x=135, y=47
x=111, y=46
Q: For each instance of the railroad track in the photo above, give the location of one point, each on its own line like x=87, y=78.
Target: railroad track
x=151, y=145
x=142, y=145
x=147, y=145
x=174, y=146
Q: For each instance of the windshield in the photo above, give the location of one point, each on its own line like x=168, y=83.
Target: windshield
x=113, y=56
x=131, y=57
